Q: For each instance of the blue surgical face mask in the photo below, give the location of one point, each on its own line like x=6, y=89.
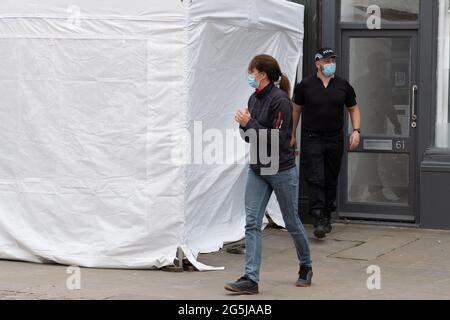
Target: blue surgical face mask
x=252, y=81
x=329, y=69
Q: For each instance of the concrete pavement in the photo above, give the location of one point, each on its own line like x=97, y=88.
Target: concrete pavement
x=413, y=264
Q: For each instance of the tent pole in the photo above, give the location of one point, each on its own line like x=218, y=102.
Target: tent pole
x=180, y=257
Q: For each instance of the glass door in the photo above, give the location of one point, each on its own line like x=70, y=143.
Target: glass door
x=379, y=177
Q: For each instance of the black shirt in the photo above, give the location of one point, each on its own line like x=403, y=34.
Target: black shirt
x=271, y=109
x=323, y=108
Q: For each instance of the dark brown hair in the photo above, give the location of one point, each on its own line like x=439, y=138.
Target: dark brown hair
x=269, y=65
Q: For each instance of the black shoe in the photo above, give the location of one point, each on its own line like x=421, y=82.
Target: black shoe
x=305, y=277
x=243, y=286
x=319, y=228
x=328, y=227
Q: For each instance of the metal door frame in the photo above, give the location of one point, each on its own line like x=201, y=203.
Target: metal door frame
x=427, y=28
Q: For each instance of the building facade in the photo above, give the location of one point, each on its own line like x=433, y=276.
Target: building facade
x=397, y=56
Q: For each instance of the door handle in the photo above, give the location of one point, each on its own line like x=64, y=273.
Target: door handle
x=414, y=117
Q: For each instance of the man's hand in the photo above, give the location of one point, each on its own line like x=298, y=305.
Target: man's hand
x=294, y=144
x=242, y=117
x=355, y=139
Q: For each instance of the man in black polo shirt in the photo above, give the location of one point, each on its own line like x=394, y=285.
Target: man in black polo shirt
x=320, y=99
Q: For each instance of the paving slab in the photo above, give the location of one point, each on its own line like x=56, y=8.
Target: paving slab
x=374, y=248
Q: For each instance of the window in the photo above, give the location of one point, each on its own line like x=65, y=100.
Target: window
x=391, y=10
x=443, y=77
x=381, y=67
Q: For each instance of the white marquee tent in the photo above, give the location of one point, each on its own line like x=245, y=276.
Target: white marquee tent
x=98, y=103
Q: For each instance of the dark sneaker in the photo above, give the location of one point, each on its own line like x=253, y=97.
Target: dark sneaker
x=243, y=286
x=305, y=277
x=319, y=228
x=328, y=227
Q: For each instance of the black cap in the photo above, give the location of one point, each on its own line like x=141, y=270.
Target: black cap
x=325, y=53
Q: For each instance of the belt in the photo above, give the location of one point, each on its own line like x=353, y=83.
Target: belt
x=333, y=133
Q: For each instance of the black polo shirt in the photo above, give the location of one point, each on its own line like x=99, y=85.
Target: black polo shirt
x=323, y=108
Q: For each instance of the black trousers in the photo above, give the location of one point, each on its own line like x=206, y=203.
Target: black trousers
x=321, y=160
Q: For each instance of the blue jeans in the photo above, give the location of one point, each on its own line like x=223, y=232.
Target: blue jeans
x=257, y=195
